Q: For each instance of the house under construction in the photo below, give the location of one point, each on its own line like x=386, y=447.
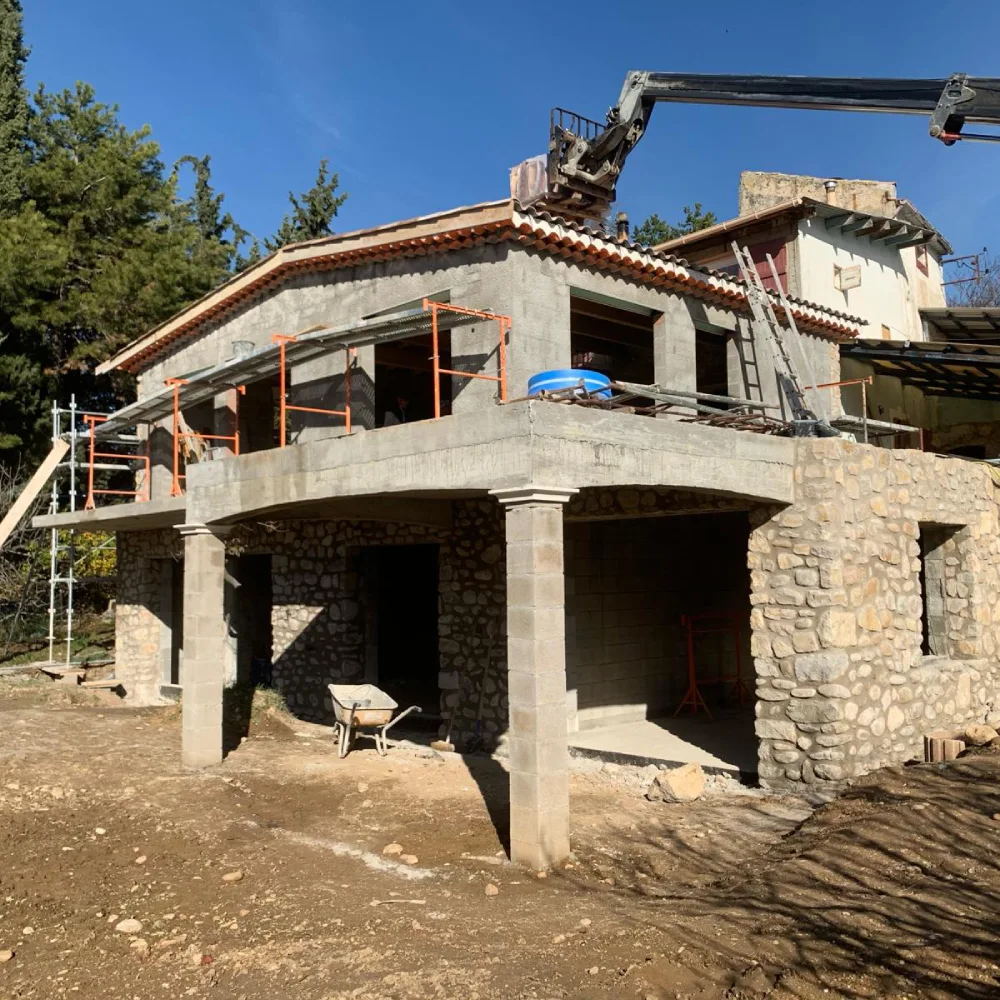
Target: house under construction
x=342, y=479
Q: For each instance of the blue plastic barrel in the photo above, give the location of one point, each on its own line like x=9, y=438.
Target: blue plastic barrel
x=565, y=378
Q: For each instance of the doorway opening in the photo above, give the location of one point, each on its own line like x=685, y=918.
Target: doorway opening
x=402, y=655
x=254, y=629
x=258, y=409
x=630, y=662
x=173, y=624
x=614, y=341
x=711, y=353
x=404, y=379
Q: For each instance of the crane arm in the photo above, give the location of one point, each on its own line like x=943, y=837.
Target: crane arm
x=586, y=157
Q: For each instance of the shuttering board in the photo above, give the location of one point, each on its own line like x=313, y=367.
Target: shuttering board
x=34, y=486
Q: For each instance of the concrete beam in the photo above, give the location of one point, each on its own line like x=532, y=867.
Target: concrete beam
x=536, y=664
x=586, y=447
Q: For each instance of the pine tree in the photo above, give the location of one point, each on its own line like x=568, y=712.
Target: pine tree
x=654, y=231
x=312, y=212
x=311, y=218
x=13, y=105
x=101, y=250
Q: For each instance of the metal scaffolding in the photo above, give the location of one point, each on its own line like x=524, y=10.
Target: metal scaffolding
x=68, y=425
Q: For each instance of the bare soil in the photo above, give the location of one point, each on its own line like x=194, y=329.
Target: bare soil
x=891, y=891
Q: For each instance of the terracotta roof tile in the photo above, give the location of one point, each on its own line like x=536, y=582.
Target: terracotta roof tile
x=489, y=223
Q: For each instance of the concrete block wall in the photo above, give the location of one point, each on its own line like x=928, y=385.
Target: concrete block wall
x=532, y=288
x=843, y=684
x=636, y=561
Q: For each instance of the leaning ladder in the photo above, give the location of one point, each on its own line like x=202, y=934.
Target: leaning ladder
x=765, y=324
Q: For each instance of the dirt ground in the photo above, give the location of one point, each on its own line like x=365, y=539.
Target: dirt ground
x=891, y=891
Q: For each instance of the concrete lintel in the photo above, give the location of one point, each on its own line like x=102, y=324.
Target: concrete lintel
x=516, y=495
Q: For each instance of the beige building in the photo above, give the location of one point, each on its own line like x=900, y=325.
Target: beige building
x=850, y=245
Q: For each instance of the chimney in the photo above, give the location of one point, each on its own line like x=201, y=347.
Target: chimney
x=831, y=187
x=621, y=227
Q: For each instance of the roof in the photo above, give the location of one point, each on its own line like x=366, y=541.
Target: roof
x=908, y=229
x=979, y=323
x=490, y=222
x=969, y=371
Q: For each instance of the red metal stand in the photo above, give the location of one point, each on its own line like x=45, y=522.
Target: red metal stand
x=712, y=622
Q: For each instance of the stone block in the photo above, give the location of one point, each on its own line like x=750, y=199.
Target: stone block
x=776, y=729
x=837, y=629
x=814, y=711
x=822, y=667
x=805, y=641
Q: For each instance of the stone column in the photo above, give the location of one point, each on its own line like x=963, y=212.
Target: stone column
x=536, y=663
x=204, y=643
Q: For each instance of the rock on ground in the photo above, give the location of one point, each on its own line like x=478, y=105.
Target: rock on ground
x=978, y=734
x=681, y=784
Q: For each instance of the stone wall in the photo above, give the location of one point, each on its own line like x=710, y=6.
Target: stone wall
x=843, y=683
x=138, y=612
x=318, y=609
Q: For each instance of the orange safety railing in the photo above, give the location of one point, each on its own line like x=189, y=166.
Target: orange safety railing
x=504, y=323
x=179, y=435
x=284, y=406
x=141, y=494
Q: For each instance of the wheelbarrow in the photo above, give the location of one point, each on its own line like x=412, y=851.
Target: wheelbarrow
x=364, y=706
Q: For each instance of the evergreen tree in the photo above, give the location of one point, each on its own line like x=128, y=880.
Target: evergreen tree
x=311, y=218
x=654, y=231
x=312, y=213
x=13, y=105
x=100, y=250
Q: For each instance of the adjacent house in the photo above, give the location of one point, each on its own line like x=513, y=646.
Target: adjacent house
x=347, y=481
x=851, y=245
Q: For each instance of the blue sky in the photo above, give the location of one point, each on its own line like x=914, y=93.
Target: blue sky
x=425, y=105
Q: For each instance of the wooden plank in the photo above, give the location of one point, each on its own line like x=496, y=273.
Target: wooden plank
x=27, y=496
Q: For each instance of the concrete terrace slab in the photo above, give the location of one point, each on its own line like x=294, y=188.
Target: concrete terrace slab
x=509, y=446
x=162, y=512
x=725, y=745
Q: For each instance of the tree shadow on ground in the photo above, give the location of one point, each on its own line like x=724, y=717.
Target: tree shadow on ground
x=892, y=889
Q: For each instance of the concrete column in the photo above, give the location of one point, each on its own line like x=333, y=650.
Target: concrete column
x=536, y=664
x=674, y=362
x=204, y=643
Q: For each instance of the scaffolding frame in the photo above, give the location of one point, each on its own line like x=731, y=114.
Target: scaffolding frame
x=140, y=494
x=504, y=322
x=282, y=339
x=181, y=436
x=66, y=426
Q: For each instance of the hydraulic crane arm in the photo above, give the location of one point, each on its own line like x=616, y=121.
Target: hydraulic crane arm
x=586, y=158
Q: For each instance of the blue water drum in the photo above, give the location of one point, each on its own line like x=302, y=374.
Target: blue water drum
x=566, y=378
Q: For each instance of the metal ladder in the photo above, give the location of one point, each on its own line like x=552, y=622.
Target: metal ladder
x=765, y=322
